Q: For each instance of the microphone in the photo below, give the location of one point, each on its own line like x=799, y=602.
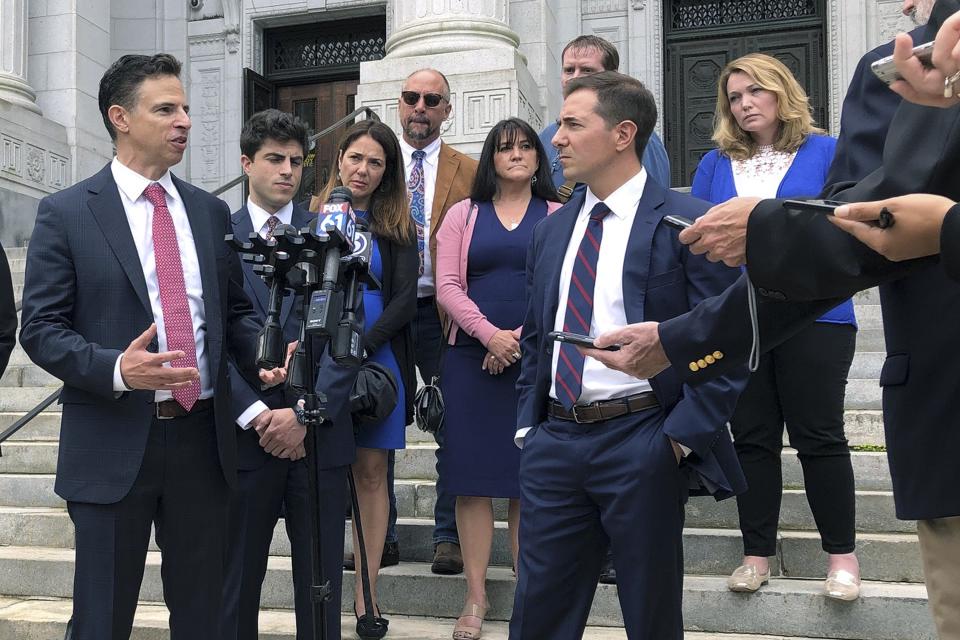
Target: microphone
x=347, y=345
x=271, y=346
x=332, y=232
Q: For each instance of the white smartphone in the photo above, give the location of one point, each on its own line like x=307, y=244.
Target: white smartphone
x=887, y=71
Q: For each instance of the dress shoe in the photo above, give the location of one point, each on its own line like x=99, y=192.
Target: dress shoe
x=390, y=557
x=391, y=554
x=370, y=627
x=842, y=585
x=608, y=575
x=747, y=578
x=447, y=560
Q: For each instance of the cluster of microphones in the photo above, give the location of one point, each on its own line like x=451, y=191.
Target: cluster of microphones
x=325, y=263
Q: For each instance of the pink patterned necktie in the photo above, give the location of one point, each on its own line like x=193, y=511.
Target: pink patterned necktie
x=177, y=321
x=272, y=223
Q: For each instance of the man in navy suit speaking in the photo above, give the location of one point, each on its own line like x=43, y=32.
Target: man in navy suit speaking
x=607, y=456
x=134, y=300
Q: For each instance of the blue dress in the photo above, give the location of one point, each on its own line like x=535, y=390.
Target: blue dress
x=479, y=457
x=391, y=433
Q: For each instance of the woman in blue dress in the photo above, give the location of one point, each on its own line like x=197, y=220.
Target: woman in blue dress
x=370, y=164
x=769, y=148
x=481, y=287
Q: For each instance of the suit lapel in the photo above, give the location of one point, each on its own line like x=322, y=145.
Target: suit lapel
x=203, y=241
x=636, y=264
x=555, y=248
x=242, y=228
x=447, y=166
x=107, y=209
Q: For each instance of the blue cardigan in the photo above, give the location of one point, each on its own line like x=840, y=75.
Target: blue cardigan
x=805, y=178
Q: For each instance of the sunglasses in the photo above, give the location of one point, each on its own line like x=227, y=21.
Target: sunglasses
x=431, y=100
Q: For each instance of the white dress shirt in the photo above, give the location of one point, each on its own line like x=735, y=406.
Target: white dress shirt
x=431, y=163
x=140, y=219
x=599, y=382
x=259, y=216
x=258, y=219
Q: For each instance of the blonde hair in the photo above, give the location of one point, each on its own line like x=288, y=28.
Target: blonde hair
x=793, y=107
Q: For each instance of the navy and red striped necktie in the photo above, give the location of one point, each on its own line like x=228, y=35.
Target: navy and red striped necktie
x=579, y=312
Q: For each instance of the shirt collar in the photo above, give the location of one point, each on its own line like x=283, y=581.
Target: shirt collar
x=259, y=215
x=431, y=152
x=622, y=202
x=132, y=185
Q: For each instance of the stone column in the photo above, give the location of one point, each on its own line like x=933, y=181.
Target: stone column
x=13, y=55
x=469, y=41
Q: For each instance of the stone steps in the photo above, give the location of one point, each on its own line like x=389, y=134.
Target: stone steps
x=416, y=462
x=888, y=557
x=43, y=619
x=885, y=611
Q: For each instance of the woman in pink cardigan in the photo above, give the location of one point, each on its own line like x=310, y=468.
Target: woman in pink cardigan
x=481, y=287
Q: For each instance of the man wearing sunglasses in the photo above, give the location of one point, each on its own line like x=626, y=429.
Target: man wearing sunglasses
x=437, y=177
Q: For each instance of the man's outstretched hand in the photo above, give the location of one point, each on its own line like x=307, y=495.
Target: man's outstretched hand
x=142, y=369
x=721, y=232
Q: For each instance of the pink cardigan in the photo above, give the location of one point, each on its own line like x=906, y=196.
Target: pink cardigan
x=453, y=245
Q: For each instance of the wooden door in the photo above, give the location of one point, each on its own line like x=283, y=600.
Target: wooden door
x=319, y=105
x=704, y=35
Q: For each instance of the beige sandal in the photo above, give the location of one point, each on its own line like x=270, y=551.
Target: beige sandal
x=463, y=631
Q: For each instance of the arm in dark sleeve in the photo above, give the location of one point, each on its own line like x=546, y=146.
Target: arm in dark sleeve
x=950, y=242
x=528, y=414
x=8, y=313
x=242, y=322
x=50, y=289
x=800, y=255
x=722, y=324
x=402, y=307
x=703, y=410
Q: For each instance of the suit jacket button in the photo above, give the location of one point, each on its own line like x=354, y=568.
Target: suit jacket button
x=718, y=354
x=778, y=295
x=694, y=366
x=702, y=364
x=710, y=359
x=762, y=291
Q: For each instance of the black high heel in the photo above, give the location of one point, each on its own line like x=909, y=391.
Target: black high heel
x=369, y=626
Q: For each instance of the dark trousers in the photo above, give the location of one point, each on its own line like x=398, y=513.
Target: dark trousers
x=263, y=494
x=428, y=343
x=180, y=489
x=801, y=383
x=582, y=486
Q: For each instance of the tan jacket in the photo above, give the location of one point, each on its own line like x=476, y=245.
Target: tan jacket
x=455, y=173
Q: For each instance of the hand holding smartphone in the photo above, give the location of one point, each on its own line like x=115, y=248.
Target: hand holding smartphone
x=885, y=69
x=579, y=340
x=826, y=207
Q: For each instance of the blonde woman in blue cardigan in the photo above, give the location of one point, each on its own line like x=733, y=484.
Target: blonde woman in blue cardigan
x=768, y=147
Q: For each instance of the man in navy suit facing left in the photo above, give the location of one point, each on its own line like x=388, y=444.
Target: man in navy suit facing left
x=607, y=456
x=272, y=473
x=134, y=300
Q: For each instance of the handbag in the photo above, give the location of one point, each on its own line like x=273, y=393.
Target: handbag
x=374, y=395
x=428, y=407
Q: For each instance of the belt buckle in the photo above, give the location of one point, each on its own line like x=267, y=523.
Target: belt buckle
x=156, y=412
x=576, y=417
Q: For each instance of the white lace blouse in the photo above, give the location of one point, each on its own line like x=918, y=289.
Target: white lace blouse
x=761, y=174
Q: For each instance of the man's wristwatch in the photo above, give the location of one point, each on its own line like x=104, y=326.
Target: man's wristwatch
x=300, y=414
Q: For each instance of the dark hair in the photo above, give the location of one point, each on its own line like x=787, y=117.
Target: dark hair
x=389, y=213
x=509, y=131
x=620, y=98
x=609, y=56
x=120, y=83
x=271, y=124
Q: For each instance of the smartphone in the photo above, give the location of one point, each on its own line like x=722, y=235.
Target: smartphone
x=818, y=206
x=884, y=221
x=579, y=340
x=677, y=222
x=887, y=71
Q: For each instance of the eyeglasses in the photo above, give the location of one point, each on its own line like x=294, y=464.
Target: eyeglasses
x=431, y=100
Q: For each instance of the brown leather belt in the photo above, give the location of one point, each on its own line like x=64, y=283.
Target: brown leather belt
x=604, y=409
x=173, y=409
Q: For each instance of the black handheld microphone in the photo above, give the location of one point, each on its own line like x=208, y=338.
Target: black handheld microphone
x=333, y=232
x=271, y=346
x=347, y=346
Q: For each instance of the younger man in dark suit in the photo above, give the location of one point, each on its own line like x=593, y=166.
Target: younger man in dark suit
x=127, y=272
x=608, y=457
x=272, y=470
